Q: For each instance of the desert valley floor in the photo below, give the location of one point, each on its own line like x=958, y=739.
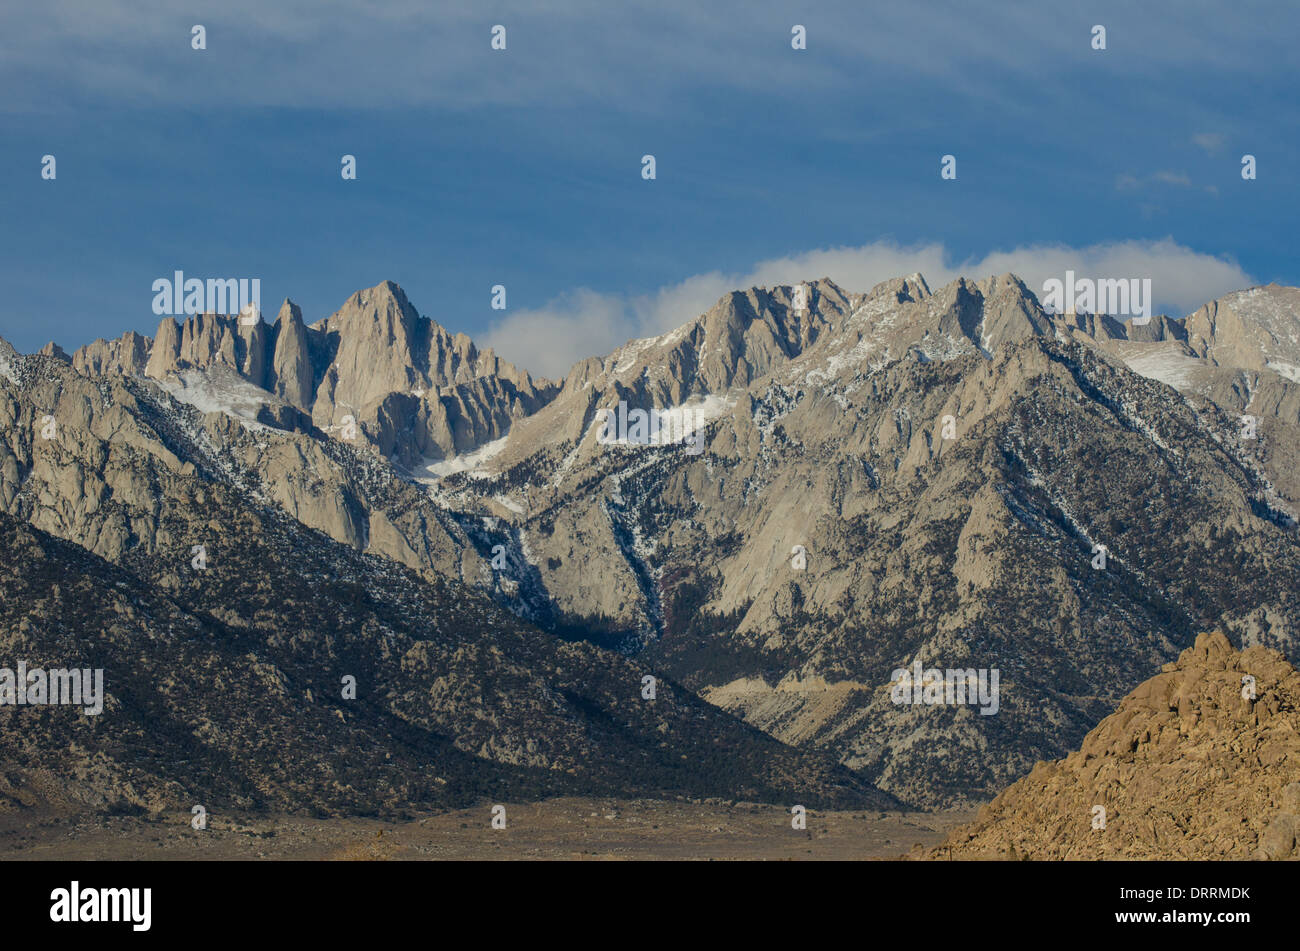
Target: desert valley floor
x=569, y=828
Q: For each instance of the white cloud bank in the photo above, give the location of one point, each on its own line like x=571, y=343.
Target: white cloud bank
x=583, y=323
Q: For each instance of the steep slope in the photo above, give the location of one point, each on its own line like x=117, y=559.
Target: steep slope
x=225, y=687
x=1199, y=762
x=194, y=711
x=1240, y=353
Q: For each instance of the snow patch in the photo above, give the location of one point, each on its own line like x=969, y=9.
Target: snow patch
x=216, y=392
x=679, y=422
x=509, y=503
x=1288, y=370
x=431, y=470
x=1167, y=366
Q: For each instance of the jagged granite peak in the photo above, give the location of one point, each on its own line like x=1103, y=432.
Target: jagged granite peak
x=208, y=339
x=166, y=348
x=127, y=354
x=416, y=391
x=751, y=336
x=745, y=337
x=52, y=349
x=904, y=316
x=738, y=340
x=1240, y=353
x=291, y=366
x=1255, y=330
x=385, y=346
x=1010, y=311
x=909, y=289
x=253, y=349
x=413, y=390
x=374, y=341
x=985, y=314
x=1105, y=328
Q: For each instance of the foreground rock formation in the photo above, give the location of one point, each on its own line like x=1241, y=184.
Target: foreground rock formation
x=1188, y=767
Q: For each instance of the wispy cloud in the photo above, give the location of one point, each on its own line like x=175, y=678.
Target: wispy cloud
x=1130, y=182
x=1211, y=142
x=396, y=53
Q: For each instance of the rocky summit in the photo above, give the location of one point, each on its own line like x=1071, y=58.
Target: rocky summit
x=409, y=388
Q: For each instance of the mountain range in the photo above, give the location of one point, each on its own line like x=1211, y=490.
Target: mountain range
x=954, y=477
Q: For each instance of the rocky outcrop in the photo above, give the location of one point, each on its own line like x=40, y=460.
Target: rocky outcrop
x=1199, y=762
x=128, y=354
x=1253, y=329
x=165, y=350
x=415, y=390
x=53, y=350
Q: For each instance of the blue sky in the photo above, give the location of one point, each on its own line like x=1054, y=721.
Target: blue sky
x=522, y=167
